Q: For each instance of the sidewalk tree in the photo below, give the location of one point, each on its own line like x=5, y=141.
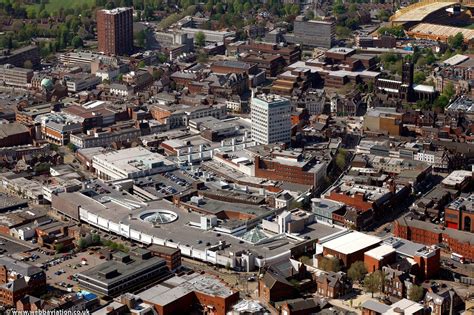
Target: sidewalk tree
x=373, y=282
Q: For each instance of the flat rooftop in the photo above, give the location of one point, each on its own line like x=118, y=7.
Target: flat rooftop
x=178, y=287
x=351, y=242
x=456, y=177
x=380, y=252
x=120, y=271
x=133, y=159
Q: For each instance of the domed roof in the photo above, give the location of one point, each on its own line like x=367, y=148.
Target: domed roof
x=47, y=84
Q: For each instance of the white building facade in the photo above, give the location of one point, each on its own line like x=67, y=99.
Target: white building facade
x=271, y=119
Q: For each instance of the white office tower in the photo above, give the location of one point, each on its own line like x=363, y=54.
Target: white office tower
x=271, y=119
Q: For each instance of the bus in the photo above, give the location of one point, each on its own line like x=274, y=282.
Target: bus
x=457, y=257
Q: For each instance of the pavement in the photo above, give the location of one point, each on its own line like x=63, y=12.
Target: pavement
x=353, y=301
x=70, y=267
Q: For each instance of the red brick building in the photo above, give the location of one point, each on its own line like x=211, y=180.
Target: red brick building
x=289, y=166
x=201, y=293
x=115, y=31
x=332, y=284
x=350, y=247
x=18, y=279
x=172, y=256
x=273, y=287
x=459, y=242
x=459, y=214
x=378, y=257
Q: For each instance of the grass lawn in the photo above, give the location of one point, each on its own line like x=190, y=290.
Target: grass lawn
x=55, y=5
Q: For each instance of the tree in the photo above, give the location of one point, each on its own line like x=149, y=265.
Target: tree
x=441, y=102
x=95, y=238
x=202, y=57
x=449, y=90
x=81, y=243
x=372, y=282
x=59, y=247
x=309, y=14
x=200, y=39
x=227, y=266
x=416, y=293
x=330, y=264
x=419, y=77
x=71, y=147
x=341, y=159
x=456, y=41
x=338, y=7
x=110, y=5
x=157, y=74
x=141, y=64
x=140, y=38
x=77, y=42
x=28, y=64
x=396, y=31
x=357, y=271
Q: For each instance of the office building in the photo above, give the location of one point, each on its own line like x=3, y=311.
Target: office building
x=115, y=31
x=309, y=33
x=271, y=119
x=14, y=76
x=124, y=273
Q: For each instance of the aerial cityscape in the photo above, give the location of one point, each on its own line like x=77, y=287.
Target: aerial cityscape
x=226, y=157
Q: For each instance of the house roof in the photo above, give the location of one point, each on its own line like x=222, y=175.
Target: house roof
x=271, y=277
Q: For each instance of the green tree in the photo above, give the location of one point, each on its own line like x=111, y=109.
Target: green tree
x=449, y=90
x=140, y=38
x=157, y=74
x=95, y=238
x=71, y=147
x=81, y=243
x=77, y=42
x=200, y=39
x=373, y=282
x=396, y=31
x=330, y=264
x=419, y=77
x=441, y=102
x=110, y=5
x=341, y=159
x=416, y=293
x=357, y=271
x=141, y=64
x=28, y=64
x=309, y=14
x=456, y=41
x=338, y=7
x=59, y=247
